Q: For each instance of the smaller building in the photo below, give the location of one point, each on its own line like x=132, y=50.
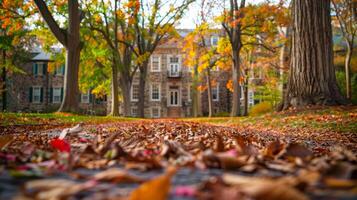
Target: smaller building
x=39, y=90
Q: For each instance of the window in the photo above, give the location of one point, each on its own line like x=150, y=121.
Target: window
x=59, y=70
x=135, y=92
x=39, y=68
x=214, y=40
x=155, y=63
x=174, y=66
x=36, y=94
x=85, y=97
x=56, y=95
x=134, y=111
x=250, y=98
x=155, y=92
x=155, y=112
x=174, y=97
x=215, y=93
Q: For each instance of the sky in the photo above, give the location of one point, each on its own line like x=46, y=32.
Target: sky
x=189, y=19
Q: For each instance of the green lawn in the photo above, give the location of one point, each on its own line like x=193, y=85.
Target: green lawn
x=8, y=119
x=339, y=119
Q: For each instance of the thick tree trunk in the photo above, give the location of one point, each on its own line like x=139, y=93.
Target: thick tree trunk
x=348, y=70
x=125, y=86
x=142, y=83
x=70, y=39
x=4, y=77
x=236, y=85
x=209, y=93
x=115, y=92
x=312, y=75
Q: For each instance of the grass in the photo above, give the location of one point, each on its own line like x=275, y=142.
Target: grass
x=8, y=119
x=338, y=119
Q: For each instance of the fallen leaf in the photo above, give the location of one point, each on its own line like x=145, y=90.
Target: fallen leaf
x=157, y=188
x=117, y=176
x=5, y=140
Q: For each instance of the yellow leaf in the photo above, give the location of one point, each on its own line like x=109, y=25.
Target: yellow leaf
x=157, y=188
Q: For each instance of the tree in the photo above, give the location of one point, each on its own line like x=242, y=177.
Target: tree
x=112, y=21
x=70, y=39
x=14, y=40
x=345, y=11
x=249, y=25
x=312, y=75
x=151, y=28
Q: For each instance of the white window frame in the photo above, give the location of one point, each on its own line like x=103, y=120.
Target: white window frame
x=151, y=90
x=39, y=68
x=178, y=64
x=159, y=63
x=217, y=88
x=53, y=94
x=39, y=94
x=250, y=98
x=212, y=39
x=85, y=100
x=178, y=98
x=132, y=113
x=131, y=93
x=152, y=113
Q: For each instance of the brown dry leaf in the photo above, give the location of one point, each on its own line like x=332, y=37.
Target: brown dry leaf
x=117, y=176
x=54, y=189
x=263, y=188
x=157, y=188
x=274, y=149
x=5, y=140
x=219, y=145
x=297, y=150
x=340, y=183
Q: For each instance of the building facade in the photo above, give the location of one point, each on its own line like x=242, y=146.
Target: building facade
x=36, y=89
x=167, y=92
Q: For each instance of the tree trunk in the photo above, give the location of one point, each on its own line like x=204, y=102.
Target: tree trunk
x=115, y=92
x=245, y=90
x=4, y=96
x=125, y=86
x=142, y=82
x=348, y=70
x=70, y=39
x=312, y=78
x=194, y=93
x=236, y=85
x=209, y=93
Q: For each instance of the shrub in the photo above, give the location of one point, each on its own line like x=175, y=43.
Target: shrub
x=261, y=108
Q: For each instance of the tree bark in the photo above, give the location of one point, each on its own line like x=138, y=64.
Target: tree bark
x=348, y=70
x=236, y=85
x=70, y=39
x=195, y=93
x=125, y=86
x=4, y=77
x=115, y=92
x=312, y=78
x=142, y=83
x=245, y=91
x=209, y=93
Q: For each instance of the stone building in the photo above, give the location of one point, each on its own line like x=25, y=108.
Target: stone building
x=36, y=89
x=167, y=93
x=169, y=85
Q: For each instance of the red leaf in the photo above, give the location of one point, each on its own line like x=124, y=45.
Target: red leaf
x=61, y=145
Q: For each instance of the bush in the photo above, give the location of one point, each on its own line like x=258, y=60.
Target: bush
x=261, y=108
x=341, y=82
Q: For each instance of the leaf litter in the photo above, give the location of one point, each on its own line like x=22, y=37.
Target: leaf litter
x=168, y=159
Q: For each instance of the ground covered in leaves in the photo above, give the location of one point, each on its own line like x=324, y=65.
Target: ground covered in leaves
x=176, y=159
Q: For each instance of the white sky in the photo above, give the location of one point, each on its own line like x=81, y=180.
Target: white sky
x=188, y=20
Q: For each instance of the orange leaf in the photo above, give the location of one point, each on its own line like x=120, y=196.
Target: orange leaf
x=157, y=188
